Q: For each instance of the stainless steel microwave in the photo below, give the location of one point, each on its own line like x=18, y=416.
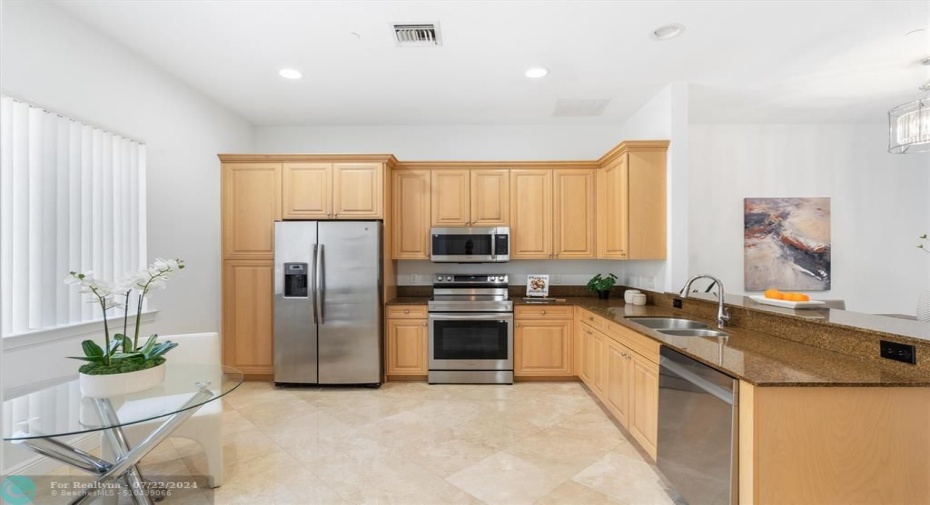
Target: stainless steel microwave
x=470, y=245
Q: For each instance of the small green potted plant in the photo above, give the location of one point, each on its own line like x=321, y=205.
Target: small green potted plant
x=602, y=285
x=122, y=366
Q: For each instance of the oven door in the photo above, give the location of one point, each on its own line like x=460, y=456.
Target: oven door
x=470, y=341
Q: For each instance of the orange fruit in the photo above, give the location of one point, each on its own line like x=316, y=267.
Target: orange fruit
x=797, y=297
x=774, y=294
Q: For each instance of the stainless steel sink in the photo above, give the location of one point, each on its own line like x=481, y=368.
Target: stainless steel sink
x=669, y=323
x=694, y=332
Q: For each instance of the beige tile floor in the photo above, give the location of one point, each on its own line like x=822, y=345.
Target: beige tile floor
x=412, y=443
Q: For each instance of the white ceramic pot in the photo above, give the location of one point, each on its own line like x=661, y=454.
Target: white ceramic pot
x=105, y=386
x=923, y=306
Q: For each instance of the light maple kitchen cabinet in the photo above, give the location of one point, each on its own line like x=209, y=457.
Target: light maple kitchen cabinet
x=248, y=315
x=574, y=213
x=631, y=201
x=406, y=344
x=411, y=200
x=531, y=214
x=320, y=190
x=250, y=204
x=543, y=341
x=470, y=197
x=620, y=366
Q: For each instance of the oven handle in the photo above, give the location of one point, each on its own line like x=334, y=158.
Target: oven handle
x=471, y=316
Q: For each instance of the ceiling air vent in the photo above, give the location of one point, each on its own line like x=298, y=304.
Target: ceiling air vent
x=589, y=107
x=417, y=35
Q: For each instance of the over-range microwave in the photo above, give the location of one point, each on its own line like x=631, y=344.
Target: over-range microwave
x=470, y=245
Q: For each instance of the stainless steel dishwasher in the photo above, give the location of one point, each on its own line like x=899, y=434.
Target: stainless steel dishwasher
x=697, y=439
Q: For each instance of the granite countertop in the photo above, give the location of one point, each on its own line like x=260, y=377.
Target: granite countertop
x=757, y=358
x=760, y=359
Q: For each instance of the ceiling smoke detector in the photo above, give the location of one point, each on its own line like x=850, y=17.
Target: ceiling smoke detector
x=667, y=32
x=417, y=35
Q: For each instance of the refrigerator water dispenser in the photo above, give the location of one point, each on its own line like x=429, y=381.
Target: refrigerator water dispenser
x=295, y=280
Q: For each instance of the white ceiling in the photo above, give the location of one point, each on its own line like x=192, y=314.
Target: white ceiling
x=747, y=61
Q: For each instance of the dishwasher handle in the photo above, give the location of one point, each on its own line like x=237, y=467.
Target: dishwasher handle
x=670, y=367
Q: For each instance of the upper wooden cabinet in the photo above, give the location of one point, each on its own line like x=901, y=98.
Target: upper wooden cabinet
x=251, y=203
x=319, y=190
x=573, y=222
x=307, y=191
x=358, y=190
x=531, y=214
x=463, y=197
x=411, y=197
x=631, y=212
x=490, y=197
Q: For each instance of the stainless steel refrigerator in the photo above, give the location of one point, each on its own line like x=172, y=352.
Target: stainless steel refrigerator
x=327, y=302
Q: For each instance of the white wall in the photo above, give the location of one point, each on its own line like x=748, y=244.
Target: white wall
x=879, y=204
x=54, y=61
x=443, y=143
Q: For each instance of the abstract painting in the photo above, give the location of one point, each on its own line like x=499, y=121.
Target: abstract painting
x=787, y=244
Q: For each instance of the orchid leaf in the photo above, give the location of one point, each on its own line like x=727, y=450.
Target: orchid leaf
x=91, y=349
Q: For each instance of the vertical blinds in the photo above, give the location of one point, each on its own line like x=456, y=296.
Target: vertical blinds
x=72, y=197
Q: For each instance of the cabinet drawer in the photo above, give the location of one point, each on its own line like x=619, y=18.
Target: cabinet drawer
x=642, y=344
x=547, y=312
x=592, y=319
x=406, y=311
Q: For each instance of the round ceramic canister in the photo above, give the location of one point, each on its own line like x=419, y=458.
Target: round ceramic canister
x=628, y=295
x=639, y=299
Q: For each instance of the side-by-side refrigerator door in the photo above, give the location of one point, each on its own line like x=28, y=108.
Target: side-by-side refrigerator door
x=350, y=302
x=295, y=331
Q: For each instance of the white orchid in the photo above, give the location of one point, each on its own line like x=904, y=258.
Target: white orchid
x=116, y=295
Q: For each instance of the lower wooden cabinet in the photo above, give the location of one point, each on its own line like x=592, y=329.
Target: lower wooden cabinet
x=624, y=379
x=542, y=348
x=542, y=341
x=406, y=347
x=248, y=316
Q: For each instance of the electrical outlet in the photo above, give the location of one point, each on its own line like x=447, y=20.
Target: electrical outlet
x=905, y=353
x=677, y=303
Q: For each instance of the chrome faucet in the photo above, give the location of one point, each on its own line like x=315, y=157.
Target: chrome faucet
x=722, y=315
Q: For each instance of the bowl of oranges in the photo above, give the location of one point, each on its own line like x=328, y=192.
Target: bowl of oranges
x=789, y=299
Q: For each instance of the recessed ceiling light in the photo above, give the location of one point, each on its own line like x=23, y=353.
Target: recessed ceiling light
x=290, y=73
x=537, y=72
x=667, y=32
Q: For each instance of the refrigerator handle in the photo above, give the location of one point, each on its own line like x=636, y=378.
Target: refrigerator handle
x=321, y=286
x=313, y=293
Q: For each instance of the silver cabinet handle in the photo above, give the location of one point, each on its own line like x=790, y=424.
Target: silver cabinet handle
x=543, y=312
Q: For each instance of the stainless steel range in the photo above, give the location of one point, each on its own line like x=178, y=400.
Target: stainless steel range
x=470, y=330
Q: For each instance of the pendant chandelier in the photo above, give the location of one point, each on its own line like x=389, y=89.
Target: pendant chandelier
x=909, y=125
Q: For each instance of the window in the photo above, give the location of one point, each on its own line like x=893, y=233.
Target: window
x=72, y=197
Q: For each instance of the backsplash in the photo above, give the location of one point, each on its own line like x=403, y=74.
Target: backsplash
x=561, y=272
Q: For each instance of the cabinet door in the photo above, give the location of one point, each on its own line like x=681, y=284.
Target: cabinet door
x=411, y=196
x=618, y=392
x=449, y=191
x=490, y=197
x=587, y=356
x=600, y=364
x=248, y=317
x=358, y=190
x=406, y=347
x=644, y=407
x=646, y=205
x=307, y=190
x=613, y=218
x=530, y=214
x=573, y=221
x=251, y=202
x=542, y=348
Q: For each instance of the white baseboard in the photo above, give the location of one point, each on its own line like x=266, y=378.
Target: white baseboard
x=43, y=465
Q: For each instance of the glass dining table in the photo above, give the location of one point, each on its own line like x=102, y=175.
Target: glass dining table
x=37, y=415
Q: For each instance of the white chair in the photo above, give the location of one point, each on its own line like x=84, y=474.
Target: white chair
x=205, y=426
